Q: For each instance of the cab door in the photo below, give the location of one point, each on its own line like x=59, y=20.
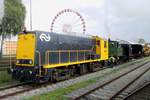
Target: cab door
x=98, y=47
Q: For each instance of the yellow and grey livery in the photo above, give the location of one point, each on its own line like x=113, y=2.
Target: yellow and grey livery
x=51, y=56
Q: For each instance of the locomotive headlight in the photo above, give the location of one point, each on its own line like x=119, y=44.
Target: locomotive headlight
x=11, y=70
x=18, y=61
x=30, y=72
x=30, y=62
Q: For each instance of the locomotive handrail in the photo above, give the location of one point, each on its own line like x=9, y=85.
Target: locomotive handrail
x=67, y=51
x=39, y=56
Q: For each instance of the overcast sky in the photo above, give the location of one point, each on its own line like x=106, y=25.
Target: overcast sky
x=126, y=19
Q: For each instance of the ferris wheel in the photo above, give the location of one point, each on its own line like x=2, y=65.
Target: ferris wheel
x=68, y=21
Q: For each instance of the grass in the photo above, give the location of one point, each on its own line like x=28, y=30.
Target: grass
x=59, y=93
x=4, y=77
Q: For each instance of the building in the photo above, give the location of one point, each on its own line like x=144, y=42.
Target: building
x=9, y=48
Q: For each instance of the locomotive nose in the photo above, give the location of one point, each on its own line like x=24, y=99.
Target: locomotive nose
x=26, y=49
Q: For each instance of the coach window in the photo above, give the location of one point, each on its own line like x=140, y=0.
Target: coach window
x=105, y=44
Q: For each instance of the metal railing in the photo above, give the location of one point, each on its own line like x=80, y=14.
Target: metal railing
x=7, y=62
x=47, y=58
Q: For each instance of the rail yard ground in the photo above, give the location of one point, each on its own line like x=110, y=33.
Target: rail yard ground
x=57, y=91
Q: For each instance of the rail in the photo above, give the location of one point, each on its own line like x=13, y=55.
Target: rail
x=14, y=90
x=135, y=91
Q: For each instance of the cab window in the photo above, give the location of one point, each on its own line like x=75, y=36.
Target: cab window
x=105, y=44
x=98, y=42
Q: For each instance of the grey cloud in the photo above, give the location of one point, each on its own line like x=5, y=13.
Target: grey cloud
x=130, y=8
x=130, y=19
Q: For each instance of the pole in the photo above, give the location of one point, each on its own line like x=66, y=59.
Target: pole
x=30, y=15
x=106, y=18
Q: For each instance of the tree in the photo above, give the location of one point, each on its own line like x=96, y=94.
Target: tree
x=13, y=20
x=141, y=41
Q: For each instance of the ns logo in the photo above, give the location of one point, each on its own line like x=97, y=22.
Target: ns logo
x=45, y=37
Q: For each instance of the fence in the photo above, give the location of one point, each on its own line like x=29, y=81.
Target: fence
x=8, y=55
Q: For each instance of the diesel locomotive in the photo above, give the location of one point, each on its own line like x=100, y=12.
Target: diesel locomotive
x=46, y=56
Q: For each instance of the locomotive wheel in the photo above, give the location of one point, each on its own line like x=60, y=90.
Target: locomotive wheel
x=73, y=70
x=55, y=76
x=62, y=74
x=83, y=69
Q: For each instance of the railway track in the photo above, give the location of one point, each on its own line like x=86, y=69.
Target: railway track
x=14, y=85
x=111, y=89
x=15, y=89
x=141, y=93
